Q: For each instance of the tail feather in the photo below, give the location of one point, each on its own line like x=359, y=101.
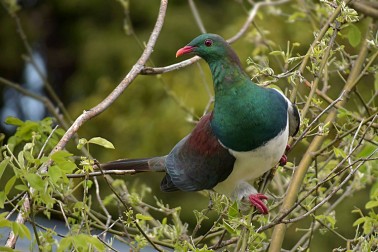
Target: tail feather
x=139, y=165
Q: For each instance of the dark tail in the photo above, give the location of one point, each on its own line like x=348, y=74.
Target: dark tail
x=139, y=165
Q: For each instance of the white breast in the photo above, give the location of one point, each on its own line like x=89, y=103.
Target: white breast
x=250, y=165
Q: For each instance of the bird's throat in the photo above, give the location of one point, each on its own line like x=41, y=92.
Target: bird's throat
x=226, y=75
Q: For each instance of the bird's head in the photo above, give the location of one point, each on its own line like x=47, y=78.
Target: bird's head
x=210, y=47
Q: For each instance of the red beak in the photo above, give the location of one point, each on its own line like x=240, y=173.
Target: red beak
x=184, y=50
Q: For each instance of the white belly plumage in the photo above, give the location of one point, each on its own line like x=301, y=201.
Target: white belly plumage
x=250, y=165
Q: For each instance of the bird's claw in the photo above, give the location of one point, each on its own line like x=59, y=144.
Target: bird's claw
x=283, y=160
x=257, y=201
x=288, y=147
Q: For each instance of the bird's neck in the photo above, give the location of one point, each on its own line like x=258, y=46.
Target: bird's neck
x=226, y=74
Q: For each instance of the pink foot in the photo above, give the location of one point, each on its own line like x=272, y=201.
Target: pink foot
x=288, y=147
x=256, y=201
x=283, y=160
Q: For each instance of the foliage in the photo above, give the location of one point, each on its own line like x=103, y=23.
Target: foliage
x=333, y=82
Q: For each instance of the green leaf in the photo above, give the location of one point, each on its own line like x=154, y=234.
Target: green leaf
x=29, y=157
x=371, y=204
x=21, y=159
x=82, y=142
x=102, y=142
x=15, y=227
x=359, y=221
x=67, y=166
x=3, y=215
x=233, y=211
x=368, y=226
x=80, y=242
x=9, y=185
x=376, y=82
x=95, y=242
x=28, y=146
x=64, y=243
x=21, y=187
x=35, y=181
x=89, y=184
x=354, y=35
x=54, y=173
x=357, y=211
x=5, y=223
x=228, y=227
x=60, y=155
x=331, y=220
x=277, y=53
x=3, y=165
x=143, y=217
x=13, y=121
x=23, y=231
x=339, y=152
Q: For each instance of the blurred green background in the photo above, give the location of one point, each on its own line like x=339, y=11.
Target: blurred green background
x=89, y=46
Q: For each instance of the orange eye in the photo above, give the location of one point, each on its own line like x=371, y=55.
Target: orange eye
x=208, y=42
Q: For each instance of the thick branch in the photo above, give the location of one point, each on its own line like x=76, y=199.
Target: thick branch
x=320, y=35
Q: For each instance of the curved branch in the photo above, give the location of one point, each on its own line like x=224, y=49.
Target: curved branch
x=238, y=35
x=134, y=72
x=86, y=115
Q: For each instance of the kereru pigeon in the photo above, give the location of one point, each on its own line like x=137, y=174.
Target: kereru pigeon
x=242, y=138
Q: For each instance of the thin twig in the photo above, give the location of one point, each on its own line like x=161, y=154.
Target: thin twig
x=333, y=192
x=134, y=72
x=106, y=244
x=323, y=64
x=196, y=16
x=99, y=173
x=340, y=199
x=47, y=140
x=127, y=207
x=319, y=37
x=106, y=212
x=340, y=98
x=64, y=215
x=238, y=35
x=292, y=192
x=86, y=115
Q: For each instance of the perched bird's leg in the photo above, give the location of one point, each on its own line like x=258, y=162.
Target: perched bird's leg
x=288, y=148
x=257, y=201
x=283, y=159
x=248, y=196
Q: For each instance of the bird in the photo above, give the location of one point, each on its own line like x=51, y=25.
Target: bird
x=244, y=136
